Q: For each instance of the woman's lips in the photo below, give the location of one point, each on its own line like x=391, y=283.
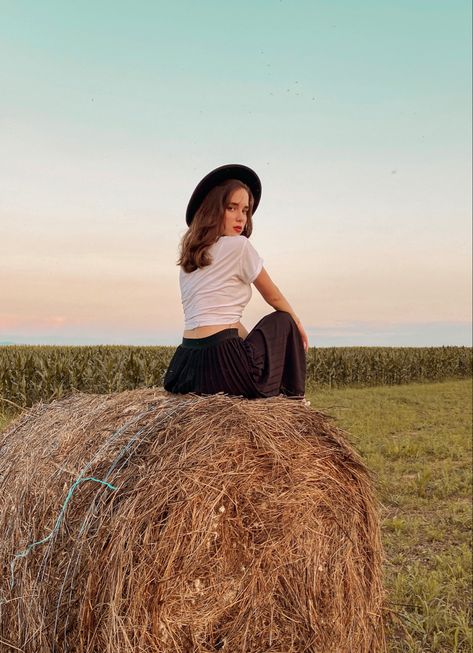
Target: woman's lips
x=237, y=229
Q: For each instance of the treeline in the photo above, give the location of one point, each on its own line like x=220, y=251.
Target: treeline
x=32, y=373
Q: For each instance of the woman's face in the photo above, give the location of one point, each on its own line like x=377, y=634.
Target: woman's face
x=236, y=213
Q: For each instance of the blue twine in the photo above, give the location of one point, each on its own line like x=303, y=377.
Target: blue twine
x=57, y=525
x=124, y=450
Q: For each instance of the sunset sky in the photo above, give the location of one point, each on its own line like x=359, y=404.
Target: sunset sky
x=355, y=115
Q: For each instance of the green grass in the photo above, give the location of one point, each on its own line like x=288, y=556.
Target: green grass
x=416, y=439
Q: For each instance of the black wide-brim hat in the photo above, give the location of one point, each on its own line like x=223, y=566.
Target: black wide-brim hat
x=218, y=176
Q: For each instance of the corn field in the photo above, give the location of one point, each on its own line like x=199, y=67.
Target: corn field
x=32, y=373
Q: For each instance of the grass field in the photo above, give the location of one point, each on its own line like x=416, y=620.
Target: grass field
x=416, y=439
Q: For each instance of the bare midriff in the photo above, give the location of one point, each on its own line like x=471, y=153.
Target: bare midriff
x=210, y=329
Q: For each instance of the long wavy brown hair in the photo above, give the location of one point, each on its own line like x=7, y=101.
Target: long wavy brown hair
x=207, y=225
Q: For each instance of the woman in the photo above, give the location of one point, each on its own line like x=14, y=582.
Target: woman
x=218, y=264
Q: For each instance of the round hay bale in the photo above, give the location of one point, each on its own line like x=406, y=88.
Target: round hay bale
x=148, y=522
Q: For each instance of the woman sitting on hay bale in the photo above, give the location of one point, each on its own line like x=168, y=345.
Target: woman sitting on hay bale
x=157, y=522
x=218, y=265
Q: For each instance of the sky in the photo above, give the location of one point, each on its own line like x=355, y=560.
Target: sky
x=355, y=115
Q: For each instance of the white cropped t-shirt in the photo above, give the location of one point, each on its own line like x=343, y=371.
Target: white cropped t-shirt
x=219, y=292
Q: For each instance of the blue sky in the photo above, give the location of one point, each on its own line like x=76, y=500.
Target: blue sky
x=356, y=116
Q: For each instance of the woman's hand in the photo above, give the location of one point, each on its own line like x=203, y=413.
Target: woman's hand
x=305, y=339
x=242, y=332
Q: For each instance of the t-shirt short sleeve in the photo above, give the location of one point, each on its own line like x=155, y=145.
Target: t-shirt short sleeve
x=251, y=263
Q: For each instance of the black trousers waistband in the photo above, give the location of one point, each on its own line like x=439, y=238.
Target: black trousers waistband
x=210, y=341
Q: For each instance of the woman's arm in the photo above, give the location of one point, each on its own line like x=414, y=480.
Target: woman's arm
x=274, y=297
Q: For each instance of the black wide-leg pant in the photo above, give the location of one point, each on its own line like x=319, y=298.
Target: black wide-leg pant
x=268, y=362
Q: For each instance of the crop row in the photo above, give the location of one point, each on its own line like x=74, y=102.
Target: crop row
x=32, y=373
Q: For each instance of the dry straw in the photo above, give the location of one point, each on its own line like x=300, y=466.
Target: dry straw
x=144, y=522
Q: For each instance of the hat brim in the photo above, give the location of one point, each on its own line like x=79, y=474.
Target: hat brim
x=218, y=176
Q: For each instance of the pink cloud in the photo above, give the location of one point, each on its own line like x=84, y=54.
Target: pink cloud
x=11, y=321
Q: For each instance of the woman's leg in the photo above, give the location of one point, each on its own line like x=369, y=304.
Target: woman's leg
x=277, y=351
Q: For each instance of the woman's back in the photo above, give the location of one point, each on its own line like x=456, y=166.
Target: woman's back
x=217, y=294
